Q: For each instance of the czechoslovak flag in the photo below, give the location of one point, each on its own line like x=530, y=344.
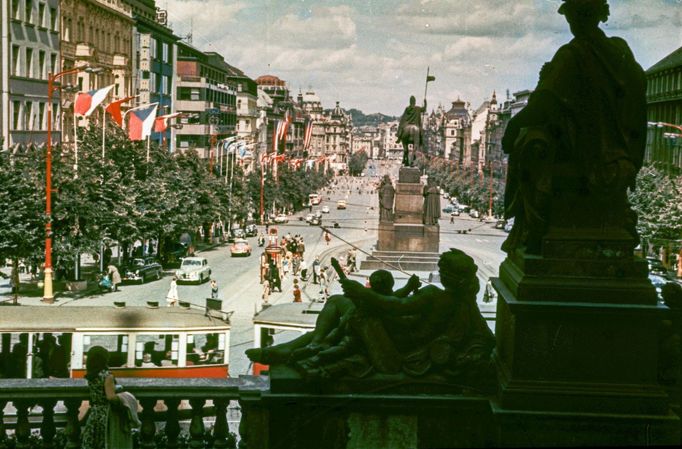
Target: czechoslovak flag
x=87, y=102
x=141, y=121
x=161, y=123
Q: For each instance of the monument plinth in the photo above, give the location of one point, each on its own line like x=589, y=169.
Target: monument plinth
x=406, y=241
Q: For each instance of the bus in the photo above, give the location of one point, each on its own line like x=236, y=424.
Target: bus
x=165, y=342
x=314, y=199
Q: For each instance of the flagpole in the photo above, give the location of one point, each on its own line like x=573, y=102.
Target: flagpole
x=426, y=84
x=104, y=130
x=148, y=144
x=75, y=144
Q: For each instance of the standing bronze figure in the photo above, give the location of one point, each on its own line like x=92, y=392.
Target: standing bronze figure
x=386, y=198
x=577, y=146
x=410, y=130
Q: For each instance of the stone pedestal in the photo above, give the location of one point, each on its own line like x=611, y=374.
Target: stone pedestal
x=407, y=239
x=577, y=346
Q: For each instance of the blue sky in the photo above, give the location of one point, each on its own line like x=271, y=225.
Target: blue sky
x=373, y=54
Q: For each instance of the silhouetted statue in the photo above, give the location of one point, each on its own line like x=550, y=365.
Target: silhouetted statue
x=386, y=198
x=577, y=146
x=410, y=130
x=431, y=204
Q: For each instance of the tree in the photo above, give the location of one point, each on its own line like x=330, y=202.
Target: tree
x=357, y=162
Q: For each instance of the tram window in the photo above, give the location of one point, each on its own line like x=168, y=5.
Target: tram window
x=157, y=350
x=14, y=355
x=208, y=348
x=117, y=345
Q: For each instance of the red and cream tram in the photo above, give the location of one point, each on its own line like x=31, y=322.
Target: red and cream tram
x=41, y=341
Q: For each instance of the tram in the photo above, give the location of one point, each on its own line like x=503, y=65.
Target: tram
x=177, y=342
x=273, y=253
x=281, y=323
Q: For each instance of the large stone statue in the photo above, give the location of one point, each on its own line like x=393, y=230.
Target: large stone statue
x=386, y=198
x=410, y=130
x=431, y=204
x=575, y=149
x=435, y=334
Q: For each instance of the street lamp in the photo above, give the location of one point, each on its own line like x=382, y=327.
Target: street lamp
x=48, y=295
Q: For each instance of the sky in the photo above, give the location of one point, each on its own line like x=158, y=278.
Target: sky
x=373, y=54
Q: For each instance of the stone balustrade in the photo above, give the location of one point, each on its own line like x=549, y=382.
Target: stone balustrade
x=24, y=394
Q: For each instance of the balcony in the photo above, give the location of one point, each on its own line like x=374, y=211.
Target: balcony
x=206, y=397
x=84, y=50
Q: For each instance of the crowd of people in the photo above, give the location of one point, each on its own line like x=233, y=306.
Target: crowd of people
x=50, y=357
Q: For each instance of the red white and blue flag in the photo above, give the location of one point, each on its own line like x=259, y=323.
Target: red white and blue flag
x=278, y=134
x=114, y=109
x=87, y=102
x=307, y=137
x=161, y=122
x=141, y=121
x=285, y=125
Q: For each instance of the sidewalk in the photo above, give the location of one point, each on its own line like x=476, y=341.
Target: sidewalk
x=31, y=290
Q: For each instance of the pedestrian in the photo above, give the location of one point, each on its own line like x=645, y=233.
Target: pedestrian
x=324, y=282
x=297, y=291
x=316, y=269
x=285, y=267
x=304, y=270
x=214, y=289
x=266, y=291
x=115, y=276
x=327, y=237
x=275, y=278
x=172, y=295
x=295, y=264
x=452, y=218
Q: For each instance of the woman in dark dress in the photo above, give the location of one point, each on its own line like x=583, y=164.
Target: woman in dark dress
x=101, y=385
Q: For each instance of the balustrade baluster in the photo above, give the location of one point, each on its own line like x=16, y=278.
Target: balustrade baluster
x=23, y=430
x=72, y=430
x=172, y=424
x=148, y=429
x=220, y=429
x=47, y=427
x=3, y=431
x=196, y=426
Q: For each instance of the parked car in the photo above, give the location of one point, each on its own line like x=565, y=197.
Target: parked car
x=325, y=209
x=143, y=269
x=455, y=213
x=473, y=213
x=240, y=247
x=309, y=217
x=194, y=269
x=656, y=266
x=510, y=224
x=281, y=218
x=341, y=204
x=316, y=221
x=448, y=209
x=500, y=224
x=251, y=230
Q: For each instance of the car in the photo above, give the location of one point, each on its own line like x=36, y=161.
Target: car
x=193, y=269
x=309, y=217
x=238, y=233
x=448, y=209
x=325, y=209
x=315, y=221
x=341, y=204
x=281, y=218
x=240, y=247
x=454, y=213
x=251, y=230
x=142, y=270
x=473, y=213
x=318, y=214
x=446, y=195
x=500, y=224
x=656, y=266
x=510, y=224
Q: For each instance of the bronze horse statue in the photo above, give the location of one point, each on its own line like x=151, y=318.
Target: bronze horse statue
x=410, y=130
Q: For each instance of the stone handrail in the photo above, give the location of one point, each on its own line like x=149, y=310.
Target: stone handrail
x=24, y=393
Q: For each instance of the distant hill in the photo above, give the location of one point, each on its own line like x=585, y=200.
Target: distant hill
x=360, y=119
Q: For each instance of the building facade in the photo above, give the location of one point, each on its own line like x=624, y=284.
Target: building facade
x=457, y=134
x=30, y=52
x=153, y=62
x=664, y=108
x=206, y=97
x=96, y=34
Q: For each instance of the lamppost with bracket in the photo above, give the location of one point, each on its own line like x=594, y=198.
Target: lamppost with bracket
x=48, y=293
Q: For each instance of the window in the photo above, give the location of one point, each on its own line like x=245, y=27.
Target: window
x=164, y=85
x=16, y=70
x=41, y=115
x=157, y=350
x=41, y=14
x=53, y=63
x=15, y=9
x=194, y=95
x=41, y=64
x=152, y=48
x=53, y=19
x=205, y=349
x=29, y=62
x=16, y=115
x=452, y=132
x=164, y=50
x=117, y=345
x=152, y=82
x=29, y=9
